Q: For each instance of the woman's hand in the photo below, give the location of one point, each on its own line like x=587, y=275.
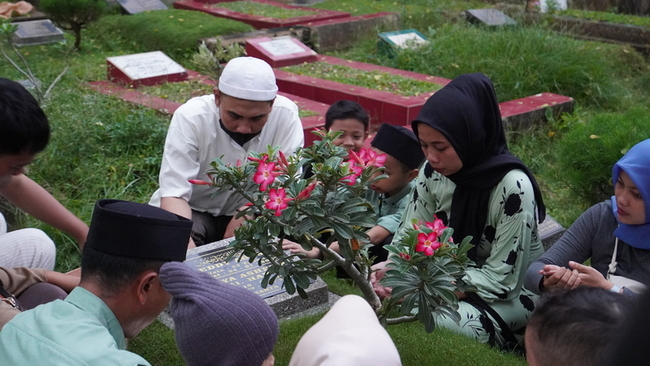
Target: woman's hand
x=556, y=277
x=296, y=248
x=378, y=272
x=589, y=276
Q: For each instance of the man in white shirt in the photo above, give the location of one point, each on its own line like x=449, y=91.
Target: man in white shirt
x=244, y=115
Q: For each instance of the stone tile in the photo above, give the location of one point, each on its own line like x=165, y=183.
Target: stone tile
x=35, y=32
x=489, y=17
x=280, y=51
x=138, y=6
x=149, y=68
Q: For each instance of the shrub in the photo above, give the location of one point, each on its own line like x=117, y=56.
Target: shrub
x=586, y=154
x=175, y=32
x=73, y=15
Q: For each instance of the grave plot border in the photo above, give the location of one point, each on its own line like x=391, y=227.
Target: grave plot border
x=382, y=106
x=259, y=22
x=168, y=107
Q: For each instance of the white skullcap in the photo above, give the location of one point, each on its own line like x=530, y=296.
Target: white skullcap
x=248, y=78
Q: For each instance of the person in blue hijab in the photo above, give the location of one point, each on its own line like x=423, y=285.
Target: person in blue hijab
x=615, y=234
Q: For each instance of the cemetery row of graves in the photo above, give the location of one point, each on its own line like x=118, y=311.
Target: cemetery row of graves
x=110, y=109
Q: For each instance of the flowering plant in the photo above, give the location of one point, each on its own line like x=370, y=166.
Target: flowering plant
x=330, y=206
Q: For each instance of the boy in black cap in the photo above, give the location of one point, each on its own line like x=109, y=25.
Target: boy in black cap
x=119, y=295
x=390, y=195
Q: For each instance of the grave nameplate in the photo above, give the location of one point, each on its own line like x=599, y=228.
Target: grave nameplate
x=149, y=68
x=280, y=51
x=36, y=32
x=549, y=231
x=490, y=17
x=239, y=273
x=403, y=39
x=137, y=6
x=211, y=258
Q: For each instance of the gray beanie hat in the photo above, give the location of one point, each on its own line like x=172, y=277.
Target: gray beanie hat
x=216, y=323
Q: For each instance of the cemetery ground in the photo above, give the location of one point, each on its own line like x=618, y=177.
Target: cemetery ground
x=103, y=147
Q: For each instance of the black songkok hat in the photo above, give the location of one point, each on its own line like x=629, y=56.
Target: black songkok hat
x=138, y=230
x=400, y=143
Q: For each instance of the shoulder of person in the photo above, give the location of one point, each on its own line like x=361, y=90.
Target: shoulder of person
x=515, y=180
x=197, y=106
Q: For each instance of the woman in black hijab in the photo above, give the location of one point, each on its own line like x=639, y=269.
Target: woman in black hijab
x=476, y=186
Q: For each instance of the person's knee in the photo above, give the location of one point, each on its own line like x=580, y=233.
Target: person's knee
x=42, y=247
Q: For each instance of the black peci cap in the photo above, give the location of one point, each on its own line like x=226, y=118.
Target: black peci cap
x=138, y=230
x=400, y=143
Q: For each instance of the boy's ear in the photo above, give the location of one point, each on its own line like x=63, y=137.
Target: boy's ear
x=413, y=174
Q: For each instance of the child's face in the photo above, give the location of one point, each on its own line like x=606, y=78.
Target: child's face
x=353, y=136
x=397, y=179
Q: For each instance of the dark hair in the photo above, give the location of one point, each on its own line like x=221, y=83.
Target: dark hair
x=24, y=128
x=576, y=327
x=113, y=272
x=345, y=109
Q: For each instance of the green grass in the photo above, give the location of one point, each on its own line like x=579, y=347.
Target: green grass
x=603, y=16
x=172, y=31
x=260, y=9
x=368, y=79
x=521, y=62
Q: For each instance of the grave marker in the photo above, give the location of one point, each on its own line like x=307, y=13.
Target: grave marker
x=550, y=231
x=280, y=51
x=149, y=68
x=489, y=17
x=138, y=6
x=36, y=32
x=403, y=39
x=239, y=273
x=211, y=258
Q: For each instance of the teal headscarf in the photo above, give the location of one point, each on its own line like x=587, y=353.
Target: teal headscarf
x=636, y=163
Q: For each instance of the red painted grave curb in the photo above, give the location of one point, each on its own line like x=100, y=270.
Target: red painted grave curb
x=134, y=96
x=259, y=22
x=382, y=106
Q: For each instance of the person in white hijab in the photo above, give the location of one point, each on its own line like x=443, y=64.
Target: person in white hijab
x=349, y=334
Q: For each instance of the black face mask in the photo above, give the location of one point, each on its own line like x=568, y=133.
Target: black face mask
x=240, y=138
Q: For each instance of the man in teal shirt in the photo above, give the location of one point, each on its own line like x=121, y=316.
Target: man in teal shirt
x=119, y=295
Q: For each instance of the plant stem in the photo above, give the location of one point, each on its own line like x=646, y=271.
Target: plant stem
x=401, y=319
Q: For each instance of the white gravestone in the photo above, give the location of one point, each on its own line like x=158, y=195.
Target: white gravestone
x=149, y=68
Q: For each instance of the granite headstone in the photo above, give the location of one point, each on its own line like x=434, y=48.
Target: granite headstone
x=35, y=32
x=149, y=68
x=280, y=51
x=138, y=6
x=210, y=258
x=489, y=17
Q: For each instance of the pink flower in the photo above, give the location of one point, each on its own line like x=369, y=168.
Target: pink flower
x=305, y=193
x=427, y=243
x=199, y=182
x=277, y=200
x=405, y=256
x=371, y=158
x=437, y=226
x=283, y=163
x=265, y=175
x=355, y=171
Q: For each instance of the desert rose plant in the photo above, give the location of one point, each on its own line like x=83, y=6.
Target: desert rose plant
x=330, y=206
